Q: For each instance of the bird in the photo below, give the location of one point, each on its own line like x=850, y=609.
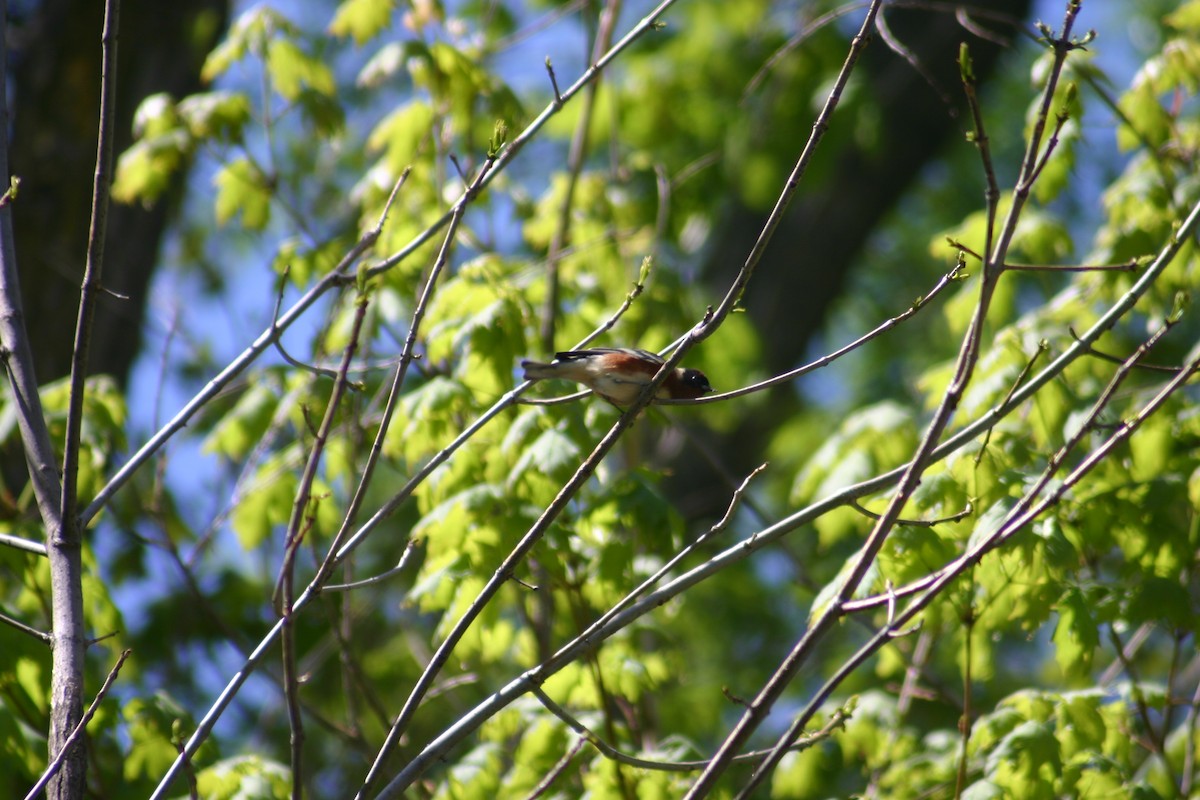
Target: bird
x=619, y=374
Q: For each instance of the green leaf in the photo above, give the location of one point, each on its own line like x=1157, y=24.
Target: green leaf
x=831, y=590
x=403, y=135
x=361, y=19
x=248, y=777
x=983, y=790
x=1151, y=122
x=145, y=170
x=242, y=191
x=246, y=35
x=1076, y=636
x=381, y=67
x=1080, y=720
x=292, y=70
x=430, y=411
x=542, y=743
x=1027, y=762
x=265, y=503
x=156, y=116
x=215, y=115
x=870, y=440
x=154, y=726
x=241, y=428
x=1186, y=18
x=552, y=454
x=989, y=522
x=476, y=774
x=1164, y=600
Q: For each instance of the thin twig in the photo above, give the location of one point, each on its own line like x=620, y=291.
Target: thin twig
x=719, y=527
x=916, y=523
x=407, y=356
x=836, y=720
x=23, y=628
x=897, y=47
x=558, y=769
x=300, y=522
x=303, y=498
x=1109, y=357
x=909, y=689
x=1153, y=740
x=1016, y=384
x=554, y=82
x=409, y=549
x=576, y=155
x=94, y=267
x=964, y=722
x=1190, y=724
x=1060, y=122
x=950, y=277
x=1127, y=266
x=77, y=732
x=20, y=543
x=279, y=348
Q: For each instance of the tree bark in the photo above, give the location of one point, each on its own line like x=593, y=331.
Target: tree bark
x=56, y=80
x=56, y=75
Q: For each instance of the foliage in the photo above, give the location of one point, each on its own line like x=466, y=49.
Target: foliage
x=1026, y=629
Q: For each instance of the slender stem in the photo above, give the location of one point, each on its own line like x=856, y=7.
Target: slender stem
x=827, y=359
x=44, y=637
x=836, y=721
x=77, y=732
x=576, y=155
x=1187, y=780
x=964, y=722
x=19, y=543
x=94, y=267
x=300, y=521
x=407, y=355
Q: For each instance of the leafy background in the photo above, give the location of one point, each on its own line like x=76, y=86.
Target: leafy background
x=1070, y=648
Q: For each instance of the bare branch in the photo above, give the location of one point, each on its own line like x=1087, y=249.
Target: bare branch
x=23, y=628
x=576, y=155
x=824, y=361
x=1092, y=351
x=916, y=523
x=1131, y=265
x=19, y=543
x=77, y=732
x=837, y=720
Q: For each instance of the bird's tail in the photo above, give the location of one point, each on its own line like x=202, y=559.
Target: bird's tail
x=537, y=370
